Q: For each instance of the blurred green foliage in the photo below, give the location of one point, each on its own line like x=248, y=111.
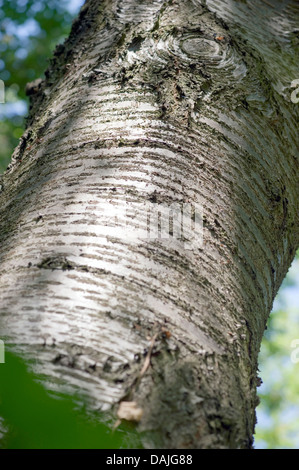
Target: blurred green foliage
x=34, y=419
x=29, y=32
x=278, y=412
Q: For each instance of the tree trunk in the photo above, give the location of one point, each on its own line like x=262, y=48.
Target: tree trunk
x=156, y=102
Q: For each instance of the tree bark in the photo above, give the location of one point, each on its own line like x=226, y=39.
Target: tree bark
x=148, y=102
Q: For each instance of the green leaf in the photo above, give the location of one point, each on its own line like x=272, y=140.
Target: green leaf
x=37, y=420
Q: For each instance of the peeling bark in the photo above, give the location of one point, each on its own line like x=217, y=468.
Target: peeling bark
x=156, y=102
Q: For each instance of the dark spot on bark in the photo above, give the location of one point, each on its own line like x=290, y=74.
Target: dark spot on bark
x=121, y=40
x=180, y=92
x=153, y=197
x=107, y=366
x=56, y=262
x=33, y=87
x=99, y=143
x=42, y=130
x=272, y=269
x=58, y=358
x=136, y=44
x=258, y=381
x=137, y=357
x=59, y=50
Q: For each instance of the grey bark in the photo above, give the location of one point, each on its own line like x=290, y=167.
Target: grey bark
x=159, y=102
